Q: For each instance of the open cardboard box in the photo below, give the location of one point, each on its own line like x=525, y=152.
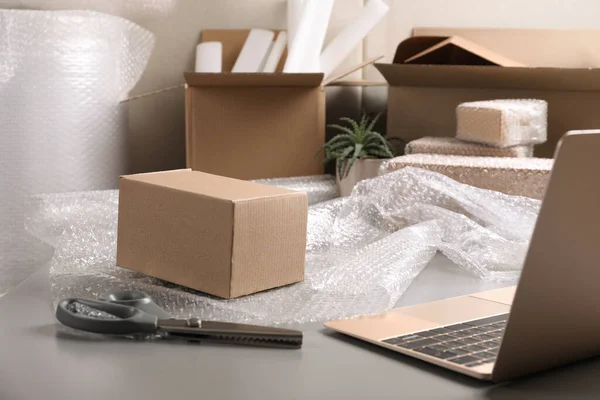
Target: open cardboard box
x=424, y=93
x=258, y=125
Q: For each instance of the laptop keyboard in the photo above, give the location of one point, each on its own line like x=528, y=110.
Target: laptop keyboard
x=469, y=343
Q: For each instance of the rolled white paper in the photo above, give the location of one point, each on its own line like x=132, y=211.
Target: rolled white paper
x=276, y=52
x=255, y=51
x=209, y=57
x=343, y=44
x=308, y=41
x=294, y=14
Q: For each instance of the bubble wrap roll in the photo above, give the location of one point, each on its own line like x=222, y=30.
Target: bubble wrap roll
x=452, y=146
x=363, y=251
x=503, y=123
x=62, y=75
x=516, y=176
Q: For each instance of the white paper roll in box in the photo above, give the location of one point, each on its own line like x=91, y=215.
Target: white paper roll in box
x=209, y=57
x=503, y=123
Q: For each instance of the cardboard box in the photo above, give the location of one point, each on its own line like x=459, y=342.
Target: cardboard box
x=221, y=236
x=422, y=99
x=254, y=126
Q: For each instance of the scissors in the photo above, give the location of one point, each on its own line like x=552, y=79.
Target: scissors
x=134, y=313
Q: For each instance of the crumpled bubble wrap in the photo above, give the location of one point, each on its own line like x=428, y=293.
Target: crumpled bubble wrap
x=503, y=123
x=516, y=176
x=363, y=251
x=457, y=147
x=62, y=75
x=319, y=187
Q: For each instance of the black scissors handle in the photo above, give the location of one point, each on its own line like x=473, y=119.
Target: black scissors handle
x=129, y=321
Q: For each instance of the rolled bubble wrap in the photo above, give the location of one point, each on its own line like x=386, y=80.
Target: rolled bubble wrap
x=503, y=123
x=515, y=176
x=457, y=147
x=363, y=251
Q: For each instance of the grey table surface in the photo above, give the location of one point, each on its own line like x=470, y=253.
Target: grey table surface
x=41, y=360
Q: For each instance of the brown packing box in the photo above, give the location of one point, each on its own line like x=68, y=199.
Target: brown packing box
x=253, y=126
x=218, y=235
x=423, y=98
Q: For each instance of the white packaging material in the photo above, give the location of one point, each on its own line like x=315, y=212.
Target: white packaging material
x=363, y=251
x=457, y=147
x=255, y=51
x=305, y=50
x=62, y=75
x=351, y=36
x=276, y=53
x=209, y=57
x=294, y=14
x=503, y=123
x=515, y=176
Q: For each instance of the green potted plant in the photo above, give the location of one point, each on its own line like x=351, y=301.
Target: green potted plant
x=358, y=151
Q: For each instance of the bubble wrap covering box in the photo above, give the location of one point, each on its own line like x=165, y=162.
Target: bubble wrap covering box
x=62, y=75
x=363, y=251
x=457, y=147
x=516, y=176
x=503, y=123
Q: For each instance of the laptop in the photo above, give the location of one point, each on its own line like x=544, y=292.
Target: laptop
x=550, y=319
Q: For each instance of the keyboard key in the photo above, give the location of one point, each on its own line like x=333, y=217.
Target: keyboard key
x=458, y=327
x=439, y=347
x=459, y=352
x=441, y=330
x=469, y=340
x=473, y=331
x=474, y=364
x=464, y=360
x=444, y=338
x=438, y=354
x=484, y=355
x=489, y=345
x=490, y=320
x=418, y=343
x=426, y=334
x=494, y=350
x=484, y=337
x=402, y=339
x=474, y=348
x=487, y=328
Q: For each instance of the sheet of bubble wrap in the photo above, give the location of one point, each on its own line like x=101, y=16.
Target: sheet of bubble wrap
x=62, y=75
x=457, y=147
x=516, y=176
x=319, y=188
x=363, y=251
x=503, y=123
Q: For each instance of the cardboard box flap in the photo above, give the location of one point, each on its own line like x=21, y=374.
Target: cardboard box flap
x=209, y=185
x=252, y=79
x=558, y=48
x=453, y=50
x=584, y=80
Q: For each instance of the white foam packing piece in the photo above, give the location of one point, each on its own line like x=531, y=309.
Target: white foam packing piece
x=363, y=251
x=62, y=75
x=503, y=123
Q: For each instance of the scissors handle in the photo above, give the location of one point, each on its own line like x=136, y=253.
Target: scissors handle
x=129, y=321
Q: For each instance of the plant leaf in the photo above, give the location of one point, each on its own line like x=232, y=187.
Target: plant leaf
x=351, y=122
x=340, y=160
x=373, y=122
x=344, y=129
x=357, y=151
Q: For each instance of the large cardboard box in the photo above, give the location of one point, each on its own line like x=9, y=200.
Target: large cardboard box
x=221, y=236
x=253, y=126
x=423, y=97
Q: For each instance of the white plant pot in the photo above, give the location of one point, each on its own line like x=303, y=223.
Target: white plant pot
x=362, y=169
